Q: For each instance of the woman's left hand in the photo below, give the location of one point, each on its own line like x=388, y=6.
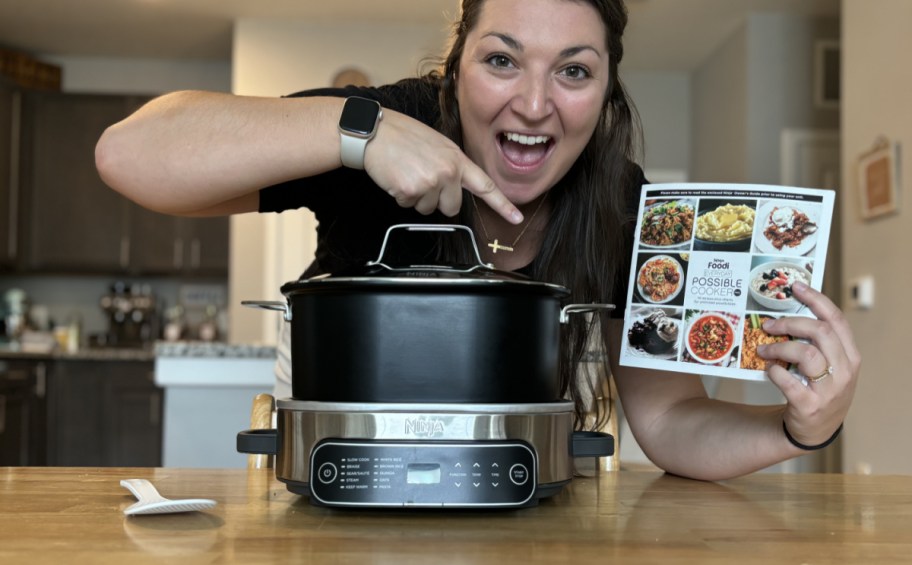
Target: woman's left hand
x=829, y=360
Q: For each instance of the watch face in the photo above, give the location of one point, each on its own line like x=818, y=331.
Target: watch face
x=359, y=116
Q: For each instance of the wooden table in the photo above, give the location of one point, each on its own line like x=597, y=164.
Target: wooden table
x=74, y=515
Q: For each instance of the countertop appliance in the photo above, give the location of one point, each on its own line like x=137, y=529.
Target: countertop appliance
x=425, y=386
x=131, y=315
x=15, y=320
x=424, y=455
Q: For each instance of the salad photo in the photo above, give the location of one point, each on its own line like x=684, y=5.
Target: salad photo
x=667, y=224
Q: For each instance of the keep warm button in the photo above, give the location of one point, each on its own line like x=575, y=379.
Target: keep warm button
x=519, y=474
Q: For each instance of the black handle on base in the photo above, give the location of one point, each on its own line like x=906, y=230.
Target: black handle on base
x=592, y=444
x=260, y=442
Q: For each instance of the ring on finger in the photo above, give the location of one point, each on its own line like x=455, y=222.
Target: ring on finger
x=826, y=373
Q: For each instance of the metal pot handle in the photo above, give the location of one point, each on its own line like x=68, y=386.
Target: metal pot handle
x=283, y=307
x=577, y=308
x=452, y=228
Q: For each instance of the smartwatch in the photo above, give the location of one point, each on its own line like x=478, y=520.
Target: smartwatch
x=357, y=126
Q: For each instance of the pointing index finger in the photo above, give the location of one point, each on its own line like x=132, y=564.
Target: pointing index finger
x=480, y=184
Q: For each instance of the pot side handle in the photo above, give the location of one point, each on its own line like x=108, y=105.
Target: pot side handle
x=258, y=442
x=578, y=308
x=270, y=305
x=592, y=444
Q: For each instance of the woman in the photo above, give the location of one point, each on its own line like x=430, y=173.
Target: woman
x=526, y=136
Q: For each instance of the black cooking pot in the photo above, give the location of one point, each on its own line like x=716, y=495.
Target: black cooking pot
x=425, y=333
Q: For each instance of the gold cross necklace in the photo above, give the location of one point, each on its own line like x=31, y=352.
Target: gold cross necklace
x=496, y=245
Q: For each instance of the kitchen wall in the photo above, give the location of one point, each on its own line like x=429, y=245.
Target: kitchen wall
x=877, y=79
x=140, y=76
x=663, y=101
x=780, y=86
x=750, y=89
x=719, y=141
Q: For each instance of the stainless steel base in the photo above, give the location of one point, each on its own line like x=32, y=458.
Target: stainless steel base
x=546, y=427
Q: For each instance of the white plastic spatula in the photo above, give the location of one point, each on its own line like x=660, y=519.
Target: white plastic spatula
x=151, y=502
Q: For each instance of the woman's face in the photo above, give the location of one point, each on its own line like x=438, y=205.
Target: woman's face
x=531, y=84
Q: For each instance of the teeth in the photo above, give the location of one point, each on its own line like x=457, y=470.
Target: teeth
x=526, y=139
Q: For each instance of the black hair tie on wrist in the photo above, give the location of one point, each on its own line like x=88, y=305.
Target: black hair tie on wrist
x=799, y=445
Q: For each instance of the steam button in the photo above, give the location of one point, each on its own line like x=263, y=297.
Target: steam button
x=519, y=474
x=327, y=473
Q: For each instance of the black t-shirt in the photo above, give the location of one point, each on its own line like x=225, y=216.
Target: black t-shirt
x=353, y=213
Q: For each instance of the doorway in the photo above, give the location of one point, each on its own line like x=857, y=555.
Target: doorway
x=811, y=158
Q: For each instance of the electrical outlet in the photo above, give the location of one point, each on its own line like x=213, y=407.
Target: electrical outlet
x=861, y=293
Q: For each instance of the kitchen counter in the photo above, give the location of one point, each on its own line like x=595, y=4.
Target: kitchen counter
x=177, y=349
x=74, y=515
x=86, y=354
x=209, y=389
x=161, y=349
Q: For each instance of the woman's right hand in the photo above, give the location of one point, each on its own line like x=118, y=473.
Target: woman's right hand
x=424, y=170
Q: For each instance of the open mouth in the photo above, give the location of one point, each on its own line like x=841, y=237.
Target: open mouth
x=523, y=150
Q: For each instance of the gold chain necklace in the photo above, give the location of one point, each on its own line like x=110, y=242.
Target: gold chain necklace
x=496, y=245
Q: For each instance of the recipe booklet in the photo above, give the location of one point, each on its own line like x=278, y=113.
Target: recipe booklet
x=712, y=262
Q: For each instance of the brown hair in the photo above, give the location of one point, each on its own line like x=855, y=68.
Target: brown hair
x=585, y=244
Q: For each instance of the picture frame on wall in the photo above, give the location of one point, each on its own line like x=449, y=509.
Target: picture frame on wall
x=827, y=74
x=878, y=180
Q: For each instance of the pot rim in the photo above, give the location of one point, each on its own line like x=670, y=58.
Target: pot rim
x=557, y=407
x=423, y=283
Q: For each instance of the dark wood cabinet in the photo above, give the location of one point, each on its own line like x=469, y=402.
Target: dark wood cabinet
x=22, y=413
x=206, y=245
x=162, y=244
x=104, y=413
x=9, y=189
x=72, y=222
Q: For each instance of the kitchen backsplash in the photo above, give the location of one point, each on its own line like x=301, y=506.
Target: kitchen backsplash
x=59, y=300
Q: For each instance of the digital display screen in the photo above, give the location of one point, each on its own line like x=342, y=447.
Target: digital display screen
x=423, y=474
x=359, y=115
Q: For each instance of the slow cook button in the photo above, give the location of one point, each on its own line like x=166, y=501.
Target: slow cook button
x=519, y=474
x=327, y=473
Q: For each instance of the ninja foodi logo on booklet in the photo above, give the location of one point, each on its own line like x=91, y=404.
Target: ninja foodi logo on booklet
x=716, y=280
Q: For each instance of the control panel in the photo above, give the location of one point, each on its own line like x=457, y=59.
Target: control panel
x=428, y=474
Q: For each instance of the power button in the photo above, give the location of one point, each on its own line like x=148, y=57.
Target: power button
x=327, y=473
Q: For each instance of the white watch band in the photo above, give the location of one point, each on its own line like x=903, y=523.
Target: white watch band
x=353, y=149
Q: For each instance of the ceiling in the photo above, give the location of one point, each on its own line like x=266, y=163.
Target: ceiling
x=662, y=35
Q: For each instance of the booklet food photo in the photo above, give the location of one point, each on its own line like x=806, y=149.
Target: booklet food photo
x=711, y=263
